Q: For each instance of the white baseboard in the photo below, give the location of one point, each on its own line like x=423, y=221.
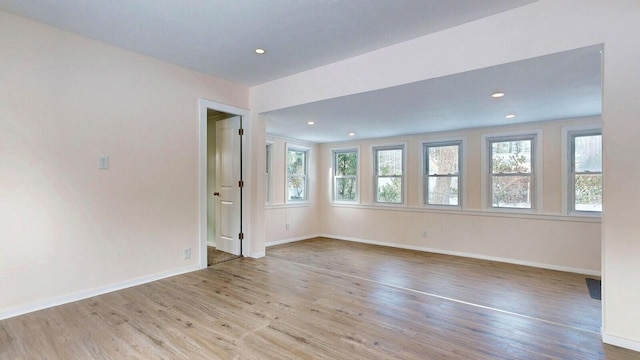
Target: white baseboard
x=469, y=255
x=48, y=303
x=290, y=240
x=618, y=341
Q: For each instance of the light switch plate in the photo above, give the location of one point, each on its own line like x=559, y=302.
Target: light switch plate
x=103, y=162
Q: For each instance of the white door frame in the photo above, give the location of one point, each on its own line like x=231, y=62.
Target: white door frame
x=203, y=105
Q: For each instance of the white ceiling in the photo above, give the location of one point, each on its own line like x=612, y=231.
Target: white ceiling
x=557, y=86
x=218, y=37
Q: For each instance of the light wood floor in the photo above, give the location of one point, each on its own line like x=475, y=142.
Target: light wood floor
x=327, y=299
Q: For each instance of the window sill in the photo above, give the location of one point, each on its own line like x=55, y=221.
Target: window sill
x=287, y=205
x=485, y=213
x=589, y=214
x=443, y=207
x=514, y=210
x=389, y=205
x=345, y=202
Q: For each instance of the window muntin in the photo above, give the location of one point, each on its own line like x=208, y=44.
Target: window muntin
x=389, y=174
x=511, y=174
x=297, y=169
x=345, y=175
x=442, y=172
x=585, y=186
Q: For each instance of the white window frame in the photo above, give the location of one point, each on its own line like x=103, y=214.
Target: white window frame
x=306, y=151
x=334, y=153
x=568, y=193
x=374, y=172
x=268, y=176
x=536, y=169
x=426, y=144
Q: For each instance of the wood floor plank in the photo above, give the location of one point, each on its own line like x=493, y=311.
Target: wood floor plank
x=325, y=299
x=509, y=287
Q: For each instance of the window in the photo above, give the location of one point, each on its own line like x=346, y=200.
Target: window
x=297, y=174
x=267, y=175
x=511, y=174
x=345, y=175
x=389, y=173
x=442, y=173
x=585, y=185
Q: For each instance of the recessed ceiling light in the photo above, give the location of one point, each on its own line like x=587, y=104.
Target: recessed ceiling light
x=510, y=116
x=260, y=51
x=352, y=134
x=311, y=123
x=498, y=94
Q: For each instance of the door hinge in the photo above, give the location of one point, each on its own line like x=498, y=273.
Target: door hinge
x=241, y=183
x=241, y=131
x=241, y=236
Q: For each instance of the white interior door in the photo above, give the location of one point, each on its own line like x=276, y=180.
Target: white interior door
x=227, y=194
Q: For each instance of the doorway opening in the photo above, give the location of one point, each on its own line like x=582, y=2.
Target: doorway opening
x=221, y=183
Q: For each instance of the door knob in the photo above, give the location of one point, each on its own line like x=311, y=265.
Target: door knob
x=216, y=194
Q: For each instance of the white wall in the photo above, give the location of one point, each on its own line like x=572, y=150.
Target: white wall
x=541, y=28
x=68, y=229
x=546, y=238
x=254, y=198
x=620, y=226
x=303, y=219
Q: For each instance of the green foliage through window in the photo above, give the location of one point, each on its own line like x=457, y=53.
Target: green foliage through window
x=296, y=174
x=511, y=173
x=389, y=173
x=345, y=175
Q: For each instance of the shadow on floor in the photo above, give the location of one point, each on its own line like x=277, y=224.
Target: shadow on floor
x=215, y=256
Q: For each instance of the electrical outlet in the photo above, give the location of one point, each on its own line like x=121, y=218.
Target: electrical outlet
x=424, y=233
x=187, y=253
x=287, y=226
x=103, y=162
